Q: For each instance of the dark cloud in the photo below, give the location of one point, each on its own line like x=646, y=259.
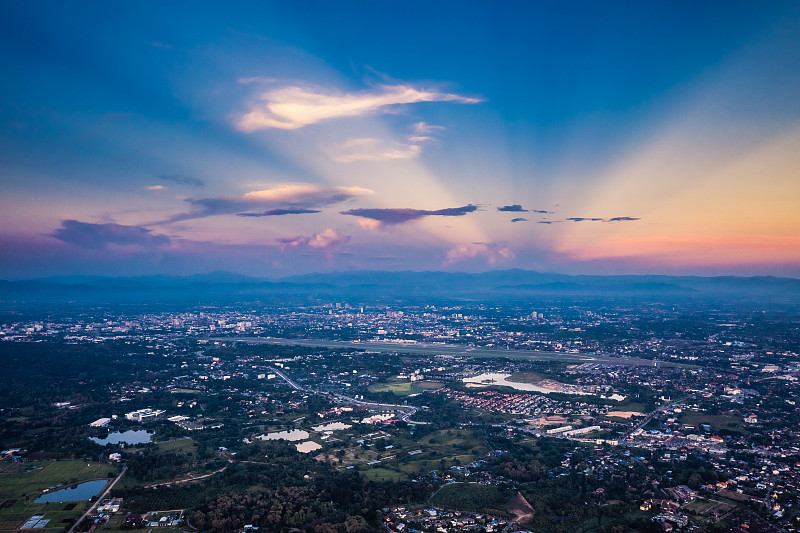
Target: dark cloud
x=455, y=211
x=623, y=219
x=99, y=236
x=548, y=221
x=615, y=219
x=281, y=200
x=400, y=215
x=181, y=179
x=519, y=220
x=516, y=208
x=541, y=212
x=279, y=212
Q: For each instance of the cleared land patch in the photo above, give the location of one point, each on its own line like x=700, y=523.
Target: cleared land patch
x=474, y=497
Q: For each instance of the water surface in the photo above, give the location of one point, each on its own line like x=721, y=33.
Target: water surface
x=83, y=491
x=132, y=436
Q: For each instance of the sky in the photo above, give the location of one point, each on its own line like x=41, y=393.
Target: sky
x=279, y=138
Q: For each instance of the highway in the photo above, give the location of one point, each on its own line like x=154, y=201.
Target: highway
x=287, y=379
x=646, y=420
x=409, y=410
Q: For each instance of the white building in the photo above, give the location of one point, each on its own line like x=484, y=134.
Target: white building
x=145, y=415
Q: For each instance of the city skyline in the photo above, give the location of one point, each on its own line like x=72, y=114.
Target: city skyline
x=276, y=139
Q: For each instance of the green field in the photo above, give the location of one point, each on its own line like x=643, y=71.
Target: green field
x=439, y=449
x=383, y=474
x=21, y=483
x=717, y=422
x=404, y=387
x=177, y=446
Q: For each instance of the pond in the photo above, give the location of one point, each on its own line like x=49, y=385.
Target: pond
x=137, y=436
x=307, y=446
x=491, y=378
x=83, y=491
x=293, y=435
x=333, y=426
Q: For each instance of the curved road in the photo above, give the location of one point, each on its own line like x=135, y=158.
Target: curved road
x=410, y=410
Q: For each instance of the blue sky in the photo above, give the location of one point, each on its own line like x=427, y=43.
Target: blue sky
x=274, y=138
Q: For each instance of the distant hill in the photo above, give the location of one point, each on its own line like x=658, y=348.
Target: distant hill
x=222, y=287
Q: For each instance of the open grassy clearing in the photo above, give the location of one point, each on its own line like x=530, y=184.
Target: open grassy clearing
x=437, y=450
x=177, y=446
x=473, y=497
x=717, y=422
x=527, y=377
x=383, y=474
x=402, y=387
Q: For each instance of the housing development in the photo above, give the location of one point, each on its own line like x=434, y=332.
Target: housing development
x=555, y=415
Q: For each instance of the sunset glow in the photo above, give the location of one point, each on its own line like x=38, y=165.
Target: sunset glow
x=276, y=139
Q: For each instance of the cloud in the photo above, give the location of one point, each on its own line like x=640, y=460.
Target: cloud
x=516, y=208
x=615, y=219
x=284, y=197
x=623, y=219
x=373, y=150
x=279, y=212
x=423, y=128
x=519, y=220
x=99, y=236
x=154, y=187
x=327, y=238
x=493, y=253
x=293, y=107
x=181, y=179
x=391, y=216
x=328, y=241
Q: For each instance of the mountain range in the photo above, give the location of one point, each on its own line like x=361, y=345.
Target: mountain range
x=409, y=286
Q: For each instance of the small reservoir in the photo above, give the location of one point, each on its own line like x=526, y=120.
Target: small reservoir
x=83, y=491
x=293, y=435
x=132, y=436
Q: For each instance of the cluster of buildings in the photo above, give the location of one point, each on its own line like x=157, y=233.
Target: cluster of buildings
x=401, y=520
x=643, y=330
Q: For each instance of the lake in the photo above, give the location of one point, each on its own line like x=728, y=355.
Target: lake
x=132, y=436
x=502, y=380
x=83, y=491
x=293, y=435
x=307, y=446
x=333, y=426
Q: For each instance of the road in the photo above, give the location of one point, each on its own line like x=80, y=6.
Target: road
x=287, y=379
x=187, y=480
x=646, y=420
x=99, y=499
x=409, y=410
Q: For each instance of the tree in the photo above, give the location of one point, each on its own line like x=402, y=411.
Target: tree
x=355, y=524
